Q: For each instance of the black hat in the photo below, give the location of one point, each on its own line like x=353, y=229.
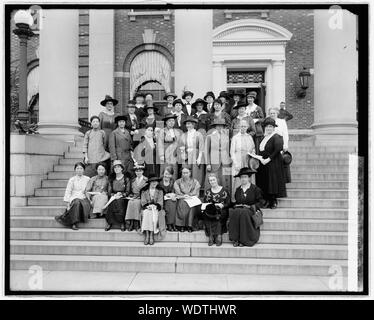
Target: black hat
x=178, y=101
x=190, y=119
x=139, y=94
x=187, y=93
x=197, y=101
x=253, y=163
x=139, y=166
x=209, y=94
x=169, y=116
x=118, y=118
x=107, y=99
x=287, y=157
x=150, y=106
x=217, y=101
x=238, y=93
x=170, y=94
x=153, y=177
x=223, y=94
x=245, y=171
x=219, y=122
x=131, y=105
x=240, y=105
x=269, y=121
x=211, y=211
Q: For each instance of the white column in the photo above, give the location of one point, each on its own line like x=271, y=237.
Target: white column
x=219, y=77
x=335, y=74
x=279, y=82
x=193, y=51
x=58, y=88
x=269, y=85
x=101, y=58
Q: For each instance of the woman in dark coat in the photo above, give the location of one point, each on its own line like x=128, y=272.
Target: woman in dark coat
x=78, y=206
x=107, y=117
x=170, y=199
x=119, y=189
x=248, y=199
x=271, y=176
x=215, y=217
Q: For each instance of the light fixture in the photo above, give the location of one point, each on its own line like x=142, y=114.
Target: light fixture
x=304, y=76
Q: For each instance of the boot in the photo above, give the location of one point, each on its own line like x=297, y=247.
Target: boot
x=151, y=239
x=211, y=241
x=131, y=225
x=169, y=228
x=146, y=237
x=219, y=240
x=123, y=227
x=108, y=227
x=74, y=227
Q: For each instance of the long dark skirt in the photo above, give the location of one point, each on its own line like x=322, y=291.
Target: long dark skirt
x=185, y=214
x=287, y=173
x=116, y=211
x=170, y=207
x=78, y=212
x=241, y=226
x=216, y=227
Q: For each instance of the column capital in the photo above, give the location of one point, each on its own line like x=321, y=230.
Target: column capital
x=278, y=62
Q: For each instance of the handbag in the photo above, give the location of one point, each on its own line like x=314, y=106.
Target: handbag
x=257, y=217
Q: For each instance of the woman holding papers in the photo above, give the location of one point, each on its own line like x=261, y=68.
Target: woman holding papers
x=248, y=199
x=97, y=191
x=170, y=199
x=216, y=214
x=78, y=206
x=134, y=206
x=119, y=189
x=186, y=188
x=271, y=176
x=153, y=215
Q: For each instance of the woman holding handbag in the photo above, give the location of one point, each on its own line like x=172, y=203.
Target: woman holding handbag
x=244, y=227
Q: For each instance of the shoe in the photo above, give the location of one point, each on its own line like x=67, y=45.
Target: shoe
x=218, y=240
x=145, y=240
x=236, y=243
x=169, y=228
x=182, y=229
x=151, y=240
x=189, y=229
x=108, y=227
x=174, y=228
x=241, y=245
x=74, y=227
x=123, y=227
x=211, y=241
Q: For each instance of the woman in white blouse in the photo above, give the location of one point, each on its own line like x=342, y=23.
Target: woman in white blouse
x=78, y=206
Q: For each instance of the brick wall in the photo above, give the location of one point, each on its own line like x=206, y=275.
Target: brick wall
x=129, y=36
x=299, y=53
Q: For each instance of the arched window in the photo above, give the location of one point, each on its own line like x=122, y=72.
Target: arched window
x=153, y=87
x=150, y=68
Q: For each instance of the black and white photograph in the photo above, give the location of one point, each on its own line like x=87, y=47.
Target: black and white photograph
x=165, y=148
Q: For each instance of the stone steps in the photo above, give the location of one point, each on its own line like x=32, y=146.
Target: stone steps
x=310, y=176
x=293, y=193
x=302, y=185
x=177, y=264
x=174, y=249
x=322, y=162
x=89, y=234
x=269, y=224
x=279, y=213
x=315, y=168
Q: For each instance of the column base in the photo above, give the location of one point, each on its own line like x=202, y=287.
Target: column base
x=64, y=132
x=336, y=134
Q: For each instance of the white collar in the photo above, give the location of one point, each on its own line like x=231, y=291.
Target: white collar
x=265, y=140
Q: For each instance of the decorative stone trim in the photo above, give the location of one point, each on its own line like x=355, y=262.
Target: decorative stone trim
x=263, y=14
x=133, y=14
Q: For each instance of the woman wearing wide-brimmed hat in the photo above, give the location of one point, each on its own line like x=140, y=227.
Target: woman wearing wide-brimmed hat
x=107, y=117
x=256, y=113
x=78, y=206
x=120, y=144
x=225, y=98
x=119, y=189
x=133, y=210
x=217, y=153
x=241, y=144
x=167, y=144
x=242, y=115
x=191, y=149
x=168, y=108
x=152, y=116
x=215, y=215
x=270, y=176
x=152, y=215
x=209, y=98
x=201, y=115
x=219, y=113
x=181, y=116
x=243, y=230
x=236, y=99
x=187, y=108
